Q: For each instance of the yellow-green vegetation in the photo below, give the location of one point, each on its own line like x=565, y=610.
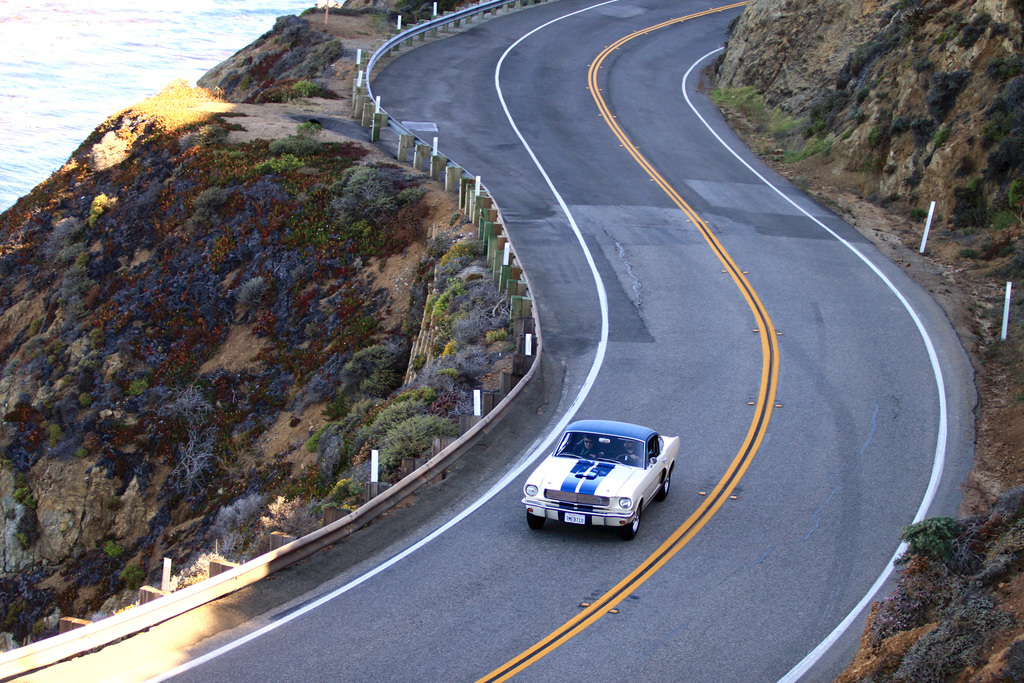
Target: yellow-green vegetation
x=175, y=107
x=100, y=204
x=749, y=103
x=497, y=335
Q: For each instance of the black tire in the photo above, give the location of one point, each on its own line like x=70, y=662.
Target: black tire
x=534, y=521
x=662, y=493
x=628, y=532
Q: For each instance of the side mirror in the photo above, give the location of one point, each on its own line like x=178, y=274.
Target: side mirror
x=652, y=460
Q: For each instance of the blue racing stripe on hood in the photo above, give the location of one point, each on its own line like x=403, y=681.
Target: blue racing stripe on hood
x=595, y=476
x=572, y=480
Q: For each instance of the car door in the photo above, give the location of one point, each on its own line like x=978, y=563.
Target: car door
x=652, y=477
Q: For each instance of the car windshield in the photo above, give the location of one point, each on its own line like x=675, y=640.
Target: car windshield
x=602, y=447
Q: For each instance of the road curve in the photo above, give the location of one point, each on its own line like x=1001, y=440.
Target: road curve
x=845, y=458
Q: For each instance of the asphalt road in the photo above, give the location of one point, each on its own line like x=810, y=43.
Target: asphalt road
x=846, y=458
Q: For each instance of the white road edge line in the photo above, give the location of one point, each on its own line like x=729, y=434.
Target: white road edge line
x=940, y=447
x=537, y=451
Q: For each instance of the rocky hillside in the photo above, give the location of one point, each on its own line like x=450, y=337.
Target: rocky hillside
x=880, y=108
x=203, y=331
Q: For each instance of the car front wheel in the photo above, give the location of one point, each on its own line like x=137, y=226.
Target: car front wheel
x=534, y=521
x=628, y=532
x=662, y=493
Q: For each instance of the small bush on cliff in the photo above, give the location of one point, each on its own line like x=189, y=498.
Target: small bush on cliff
x=944, y=90
x=412, y=437
x=132, y=576
x=931, y=538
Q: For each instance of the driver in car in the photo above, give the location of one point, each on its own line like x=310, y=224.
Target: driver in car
x=629, y=455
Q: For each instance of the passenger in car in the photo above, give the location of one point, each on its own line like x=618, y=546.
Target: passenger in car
x=588, y=447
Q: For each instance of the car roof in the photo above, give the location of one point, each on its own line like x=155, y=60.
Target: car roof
x=612, y=428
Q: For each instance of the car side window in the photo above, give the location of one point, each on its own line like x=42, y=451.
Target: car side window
x=652, y=447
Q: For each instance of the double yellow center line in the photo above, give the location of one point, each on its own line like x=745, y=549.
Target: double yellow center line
x=755, y=434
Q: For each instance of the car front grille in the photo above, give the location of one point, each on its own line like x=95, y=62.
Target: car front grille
x=577, y=498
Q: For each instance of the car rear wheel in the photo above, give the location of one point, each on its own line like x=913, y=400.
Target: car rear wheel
x=628, y=532
x=534, y=521
x=662, y=493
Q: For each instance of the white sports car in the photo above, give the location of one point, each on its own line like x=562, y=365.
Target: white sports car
x=602, y=473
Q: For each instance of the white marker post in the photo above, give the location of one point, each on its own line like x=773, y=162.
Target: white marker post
x=1006, y=310
x=359, y=80
x=506, y=257
x=529, y=344
x=435, y=146
x=377, y=110
x=359, y=58
x=479, y=187
x=165, y=579
x=399, y=22
x=435, y=9
x=927, y=227
x=477, y=410
x=374, y=466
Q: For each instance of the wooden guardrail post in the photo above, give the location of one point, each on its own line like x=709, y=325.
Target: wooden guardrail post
x=279, y=539
x=71, y=623
x=218, y=567
x=451, y=178
x=405, y=143
x=438, y=163
x=380, y=122
x=149, y=594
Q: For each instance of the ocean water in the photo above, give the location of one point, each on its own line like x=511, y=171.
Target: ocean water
x=66, y=66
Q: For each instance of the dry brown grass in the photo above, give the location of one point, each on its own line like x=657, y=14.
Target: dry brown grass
x=176, y=106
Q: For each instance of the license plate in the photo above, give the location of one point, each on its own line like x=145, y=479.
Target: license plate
x=573, y=518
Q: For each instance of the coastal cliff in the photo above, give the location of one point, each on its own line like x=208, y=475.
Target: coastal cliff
x=207, y=315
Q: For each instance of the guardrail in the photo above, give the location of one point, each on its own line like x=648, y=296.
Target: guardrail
x=501, y=258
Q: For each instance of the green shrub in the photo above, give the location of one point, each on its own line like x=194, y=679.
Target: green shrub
x=100, y=205
x=944, y=90
x=343, y=493
x=931, y=538
x=969, y=209
x=295, y=145
x=424, y=395
x=413, y=436
x=307, y=89
x=941, y=136
x=132, y=576
x=282, y=164
x=1005, y=68
x=137, y=386
x=309, y=129
x=337, y=407
x=112, y=550
x=23, y=494
x=54, y=434
x=85, y=399
x=23, y=540
x=313, y=443
x=822, y=146
x=496, y=335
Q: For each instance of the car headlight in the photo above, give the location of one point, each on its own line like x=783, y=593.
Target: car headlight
x=531, y=490
x=625, y=503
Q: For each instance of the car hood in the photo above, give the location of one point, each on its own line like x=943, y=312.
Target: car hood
x=594, y=477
